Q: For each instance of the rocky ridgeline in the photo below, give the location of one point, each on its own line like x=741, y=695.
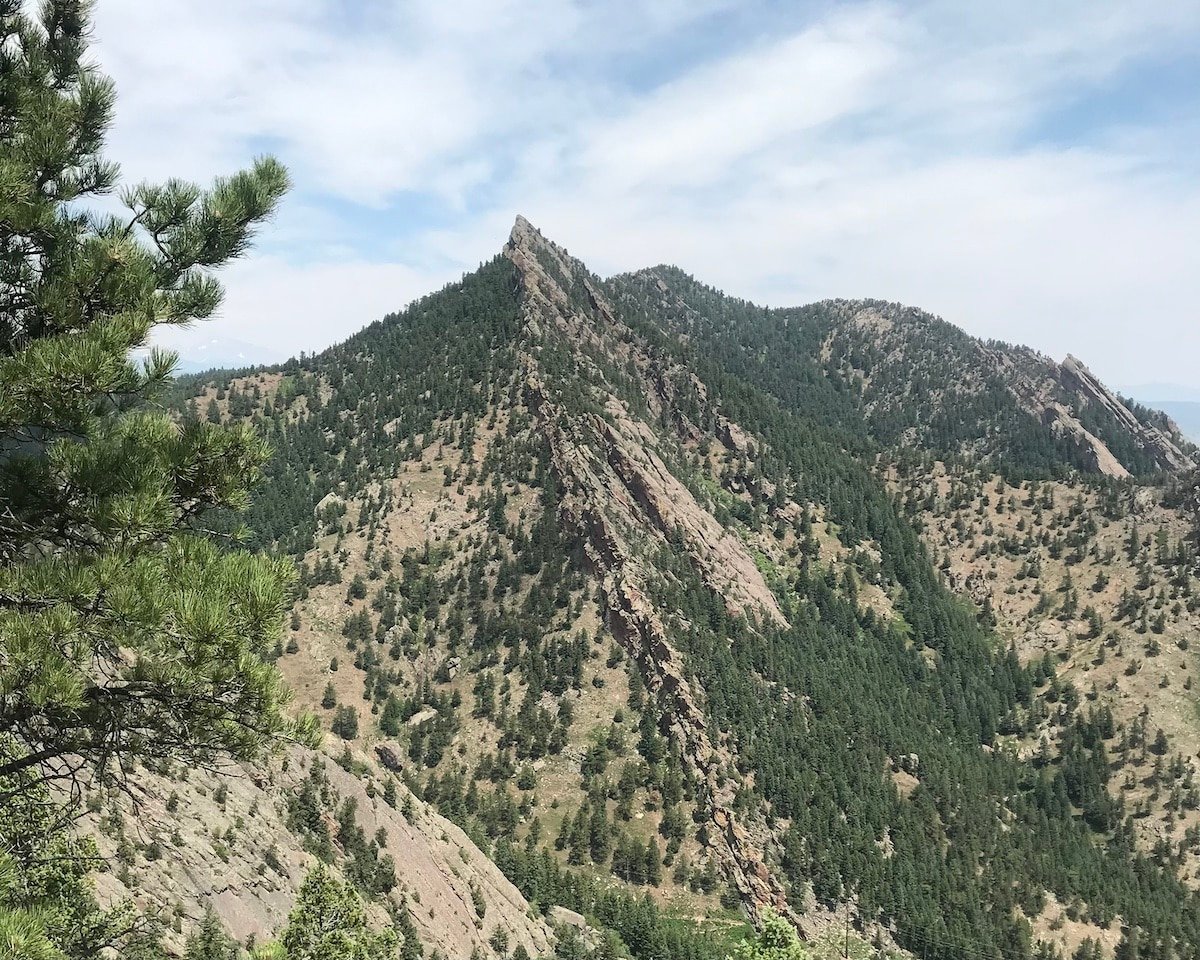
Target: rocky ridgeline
x=634, y=476
x=1055, y=393
x=1059, y=396
x=622, y=499
x=605, y=515
x=1166, y=451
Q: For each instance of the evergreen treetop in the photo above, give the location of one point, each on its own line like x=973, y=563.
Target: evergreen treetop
x=125, y=632
x=128, y=632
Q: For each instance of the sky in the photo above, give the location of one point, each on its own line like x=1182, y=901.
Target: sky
x=1027, y=170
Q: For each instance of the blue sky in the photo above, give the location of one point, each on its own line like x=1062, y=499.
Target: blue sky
x=1026, y=170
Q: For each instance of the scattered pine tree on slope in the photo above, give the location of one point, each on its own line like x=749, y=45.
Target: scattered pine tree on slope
x=955, y=867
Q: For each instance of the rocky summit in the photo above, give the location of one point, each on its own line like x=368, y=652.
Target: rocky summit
x=636, y=612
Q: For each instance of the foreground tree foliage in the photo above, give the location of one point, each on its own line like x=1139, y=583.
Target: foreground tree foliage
x=775, y=941
x=329, y=922
x=127, y=632
x=47, y=911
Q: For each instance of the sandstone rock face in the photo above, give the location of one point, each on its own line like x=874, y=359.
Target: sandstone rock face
x=636, y=623
x=440, y=866
x=722, y=559
x=635, y=478
x=1038, y=384
x=224, y=842
x=1162, y=447
x=619, y=495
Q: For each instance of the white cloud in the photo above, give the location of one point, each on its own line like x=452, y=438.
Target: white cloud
x=689, y=132
x=286, y=309
x=876, y=149
x=362, y=102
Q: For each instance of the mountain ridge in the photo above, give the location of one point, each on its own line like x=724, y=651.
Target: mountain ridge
x=1064, y=397
x=622, y=562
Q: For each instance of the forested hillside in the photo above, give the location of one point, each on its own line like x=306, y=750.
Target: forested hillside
x=916, y=381
x=634, y=582
x=555, y=616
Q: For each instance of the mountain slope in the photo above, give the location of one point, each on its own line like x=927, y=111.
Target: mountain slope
x=241, y=842
x=1098, y=582
x=611, y=571
x=919, y=381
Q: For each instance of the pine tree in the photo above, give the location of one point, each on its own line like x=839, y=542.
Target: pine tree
x=775, y=941
x=126, y=632
x=653, y=858
x=391, y=718
x=345, y=723
x=599, y=834
x=210, y=941
x=47, y=905
x=329, y=922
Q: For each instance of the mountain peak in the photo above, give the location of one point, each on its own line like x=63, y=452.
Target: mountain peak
x=548, y=273
x=742, y=508
x=524, y=233
x=524, y=236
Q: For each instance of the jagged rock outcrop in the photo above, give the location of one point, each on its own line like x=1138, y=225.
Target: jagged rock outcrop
x=647, y=489
x=721, y=558
x=1166, y=452
x=390, y=754
x=1040, y=386
x=588, y=507
x=1055, y=393
x=617, y=490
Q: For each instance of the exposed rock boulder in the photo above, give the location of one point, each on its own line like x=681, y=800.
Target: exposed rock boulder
x=561, y=915
x=390, y=754
x=422, y=716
